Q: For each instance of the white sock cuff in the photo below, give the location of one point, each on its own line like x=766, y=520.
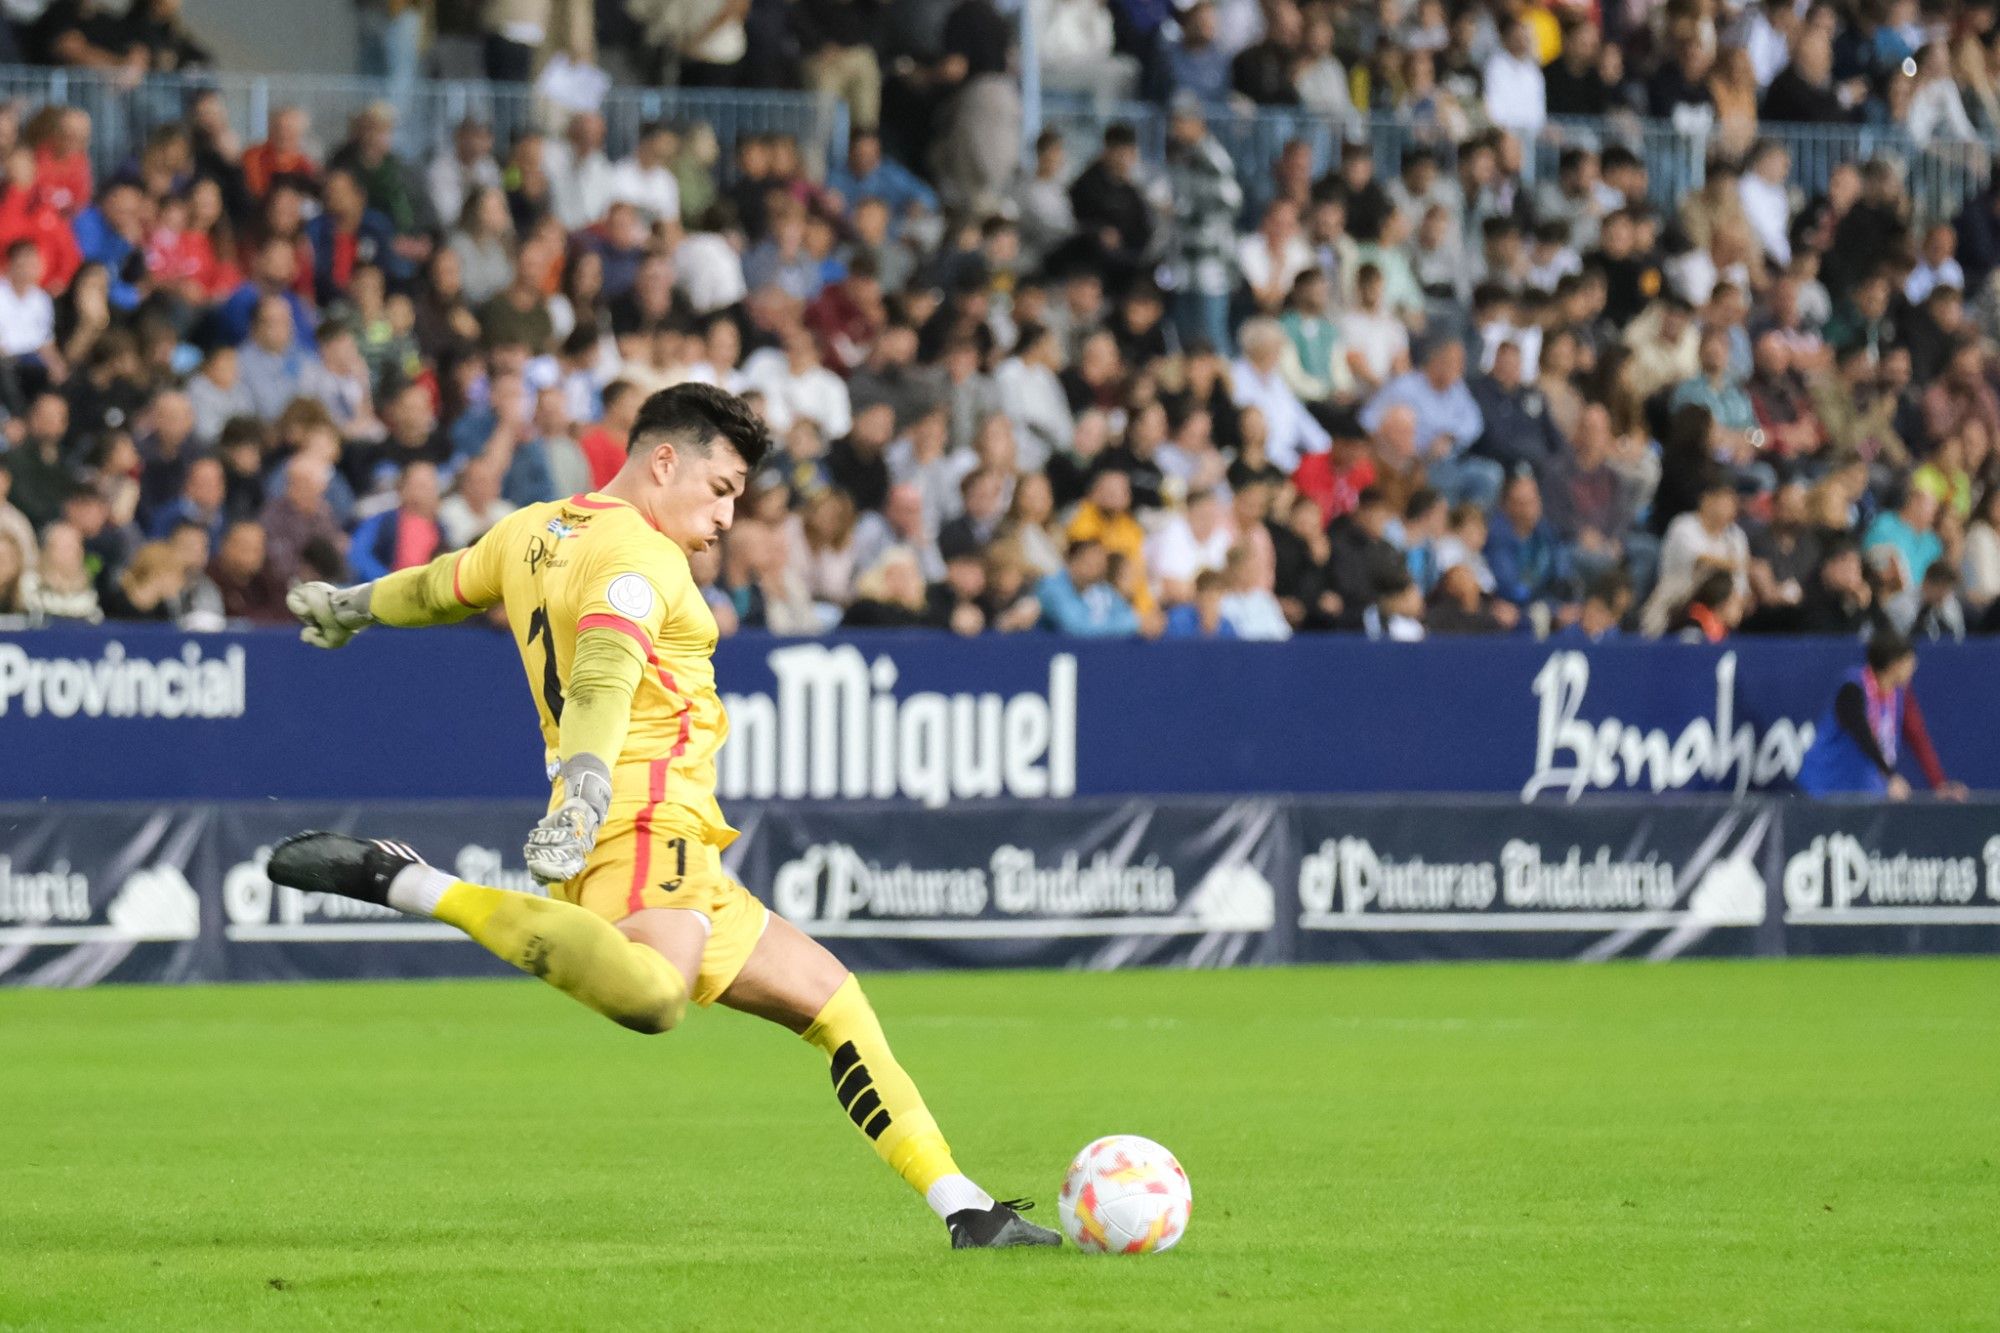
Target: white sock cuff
x=417, y=889
x=954, y=1194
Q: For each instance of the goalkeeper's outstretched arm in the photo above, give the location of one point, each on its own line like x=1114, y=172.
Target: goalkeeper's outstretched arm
x=408, y=598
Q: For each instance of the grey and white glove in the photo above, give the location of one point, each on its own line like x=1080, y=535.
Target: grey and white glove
x=331, y=615
x=561, y=843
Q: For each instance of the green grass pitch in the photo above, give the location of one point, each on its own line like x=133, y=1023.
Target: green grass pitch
x=1798, y=1145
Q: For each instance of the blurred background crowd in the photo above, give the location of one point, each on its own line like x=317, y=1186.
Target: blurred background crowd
x=1488, y=374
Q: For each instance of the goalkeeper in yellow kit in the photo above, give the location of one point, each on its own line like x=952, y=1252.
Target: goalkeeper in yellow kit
x=640, y=916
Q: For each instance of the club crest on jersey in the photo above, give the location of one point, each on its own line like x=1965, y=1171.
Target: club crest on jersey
x=559, y=529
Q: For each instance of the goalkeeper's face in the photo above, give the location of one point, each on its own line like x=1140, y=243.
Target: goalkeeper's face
x=694, y=500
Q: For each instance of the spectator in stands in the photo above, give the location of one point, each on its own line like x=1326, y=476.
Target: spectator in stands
x=1981, y=560
x=59, y=587
x=475, y=503
x=796, y=386
x=455, y=173
x=1516, y=92
x=484, y=244
x=283, y=156
x=1201, y=617
x=203, y=491
x=28, y=320
x=645, y=179
x=14, y=524
x=985, y=514
x=1191, y=543
x=149, y=585
x=1458, y=606
x=298, y=518
x=12, y=571
x=1901, y=545
x=38, y=462
x=1079, y=598
x=1605, y=603
x=1206, y=199
x=1447, y=421
x=273, y=365
x=1698, y=543
x=158, y=33
x=392, y=188
x=869, y=174
x=1517, y=430
x=1257, y=381
x=1724, y=397
x=1530, y=563
x=890, y=594
x=1397, y=613
x=404, y=537
x=1250, y=606
x=249, y=591
x=112, y=233
x=1166, y=413
x=274, y=273
x=1711, y=612
x=582, y=180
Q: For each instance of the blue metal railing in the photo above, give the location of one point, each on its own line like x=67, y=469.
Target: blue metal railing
x=1940, y=175
x=123, y=116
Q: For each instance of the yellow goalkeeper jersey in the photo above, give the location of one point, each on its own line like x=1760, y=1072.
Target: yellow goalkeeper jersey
x=587, y=562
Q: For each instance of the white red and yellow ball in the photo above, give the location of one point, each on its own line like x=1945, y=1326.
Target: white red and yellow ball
x=1125, y=1195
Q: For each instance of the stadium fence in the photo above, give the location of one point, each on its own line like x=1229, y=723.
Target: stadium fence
x=1941, y=175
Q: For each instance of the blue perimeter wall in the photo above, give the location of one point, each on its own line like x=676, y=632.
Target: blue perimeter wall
x=143, y=714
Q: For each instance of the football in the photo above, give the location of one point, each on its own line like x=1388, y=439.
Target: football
x=1125, y=1195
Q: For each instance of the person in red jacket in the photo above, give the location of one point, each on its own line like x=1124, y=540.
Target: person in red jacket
x=283, y=156
x=26, y=215
x=60, y=137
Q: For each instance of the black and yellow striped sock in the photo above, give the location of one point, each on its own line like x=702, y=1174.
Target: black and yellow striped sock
x=884, y=1104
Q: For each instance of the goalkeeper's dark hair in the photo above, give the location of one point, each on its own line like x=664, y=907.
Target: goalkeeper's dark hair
x=692, y=416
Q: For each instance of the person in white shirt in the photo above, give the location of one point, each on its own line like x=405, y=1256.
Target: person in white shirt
x=1074, y=46
x=1769, y=40
x=1937, y=266
x=1936, y=110
x=27, y=315
x=580, y=175
x=1516, y=98
x=1766, y=204
x=711, y=271
x=644, y=179
x=1258, y=380
x=466, y=166
x=1702, y=539
x=795, y=385
x=1376, y=342
x=475, y=504
x=708, y=35
x=1187, y=545
x=1032, y=396
x=1272, y=257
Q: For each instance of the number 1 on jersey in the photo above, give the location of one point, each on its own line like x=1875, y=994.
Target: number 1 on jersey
x=552, y=690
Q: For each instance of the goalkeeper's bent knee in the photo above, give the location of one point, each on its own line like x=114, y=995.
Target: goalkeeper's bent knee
x=572, y=949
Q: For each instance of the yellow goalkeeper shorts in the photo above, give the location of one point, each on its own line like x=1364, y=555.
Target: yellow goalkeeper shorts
x=653, y=857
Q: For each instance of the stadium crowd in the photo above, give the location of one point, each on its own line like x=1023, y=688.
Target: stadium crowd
x=1101, y=397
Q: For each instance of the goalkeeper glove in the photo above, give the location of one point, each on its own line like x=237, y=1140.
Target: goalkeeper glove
x=331, y=615
x=561, y=843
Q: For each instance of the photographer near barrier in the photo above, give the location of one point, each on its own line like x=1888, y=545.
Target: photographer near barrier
x=922, y=801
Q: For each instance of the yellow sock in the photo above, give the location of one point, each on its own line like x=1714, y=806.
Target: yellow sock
x=577, y=952
x=880, y=1098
